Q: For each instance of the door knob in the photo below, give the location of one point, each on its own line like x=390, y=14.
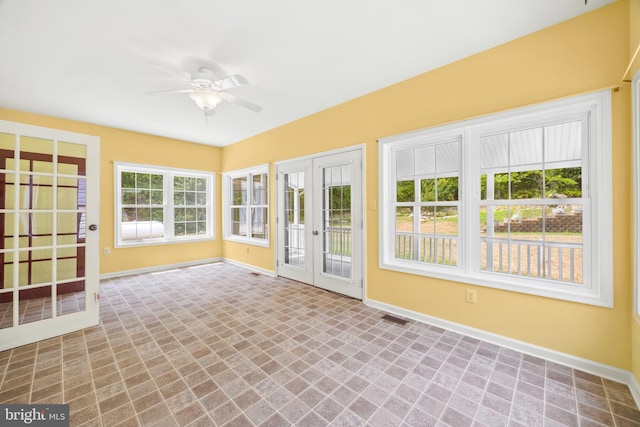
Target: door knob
x=93, y=227
x=315, y=233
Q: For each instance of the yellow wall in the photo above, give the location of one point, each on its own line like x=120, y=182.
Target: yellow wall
x=125, y=146
x=585, y=54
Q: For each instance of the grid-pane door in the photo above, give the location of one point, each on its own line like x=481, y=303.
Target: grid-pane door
x=295, y=253
x=48, y=239
x=338, y=221
x=320, y=221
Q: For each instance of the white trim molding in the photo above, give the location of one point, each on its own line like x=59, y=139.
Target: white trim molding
x=634, y=388
x=158, y=268
x=635, y=144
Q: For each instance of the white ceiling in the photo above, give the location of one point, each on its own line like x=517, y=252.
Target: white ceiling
x=88, y=60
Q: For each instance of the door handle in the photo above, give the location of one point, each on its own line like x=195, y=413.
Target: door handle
x=315, y=233
x=93, y=227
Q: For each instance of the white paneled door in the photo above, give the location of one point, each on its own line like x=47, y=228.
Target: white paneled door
x=49, y=210
x=320, y=221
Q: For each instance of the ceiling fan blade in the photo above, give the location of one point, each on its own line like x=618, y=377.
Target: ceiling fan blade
x=239, y=101
x=231, y=81
x=169, y=71
x=169, y=91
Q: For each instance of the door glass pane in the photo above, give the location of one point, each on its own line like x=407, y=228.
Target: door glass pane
x=71, y=158
x=294, y=228
x=35, y=229
x=35, y=267
x=336, y=220
x=6, y=310
x=7, y=241
x=8, y=181
x=36, y=192
x=68, y=228
x=39, y=226
x=67, y=268
x=36, y=154
x=71, y=301
x=72, y=193
x=7, y=141
x=35, y=304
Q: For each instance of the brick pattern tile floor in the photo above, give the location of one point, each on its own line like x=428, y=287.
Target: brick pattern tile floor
x=215, y=345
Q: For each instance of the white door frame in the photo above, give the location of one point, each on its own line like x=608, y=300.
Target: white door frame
x=43, y=329
x=285, y=166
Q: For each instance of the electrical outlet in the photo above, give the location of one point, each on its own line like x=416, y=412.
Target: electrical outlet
x=106, y=251
x=470, y=296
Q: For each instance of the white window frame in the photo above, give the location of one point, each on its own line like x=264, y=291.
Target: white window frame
x=168, y=204
x=227, y=196
x=439, y=263
x=635, y=103
x=597, y=288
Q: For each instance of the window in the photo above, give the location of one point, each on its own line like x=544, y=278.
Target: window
x=518, y=200
x=246, y=205
x=160, y=205
x=531, y=211
x=427, y=206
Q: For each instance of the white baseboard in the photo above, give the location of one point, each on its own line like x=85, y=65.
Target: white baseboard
x=270, y=273
x=159, y=268
x=586, y=365
x=634, y=387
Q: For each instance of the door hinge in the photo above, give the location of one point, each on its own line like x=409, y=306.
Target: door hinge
x=362, y=283
x=96, y=296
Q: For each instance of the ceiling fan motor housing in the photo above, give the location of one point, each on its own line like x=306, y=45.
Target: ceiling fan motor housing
x=204, y=78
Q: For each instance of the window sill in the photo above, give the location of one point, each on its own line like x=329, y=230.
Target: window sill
x=505, y=282
x=264, y=243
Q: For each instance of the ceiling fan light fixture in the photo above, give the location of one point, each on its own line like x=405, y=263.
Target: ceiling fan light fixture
x=206, y=98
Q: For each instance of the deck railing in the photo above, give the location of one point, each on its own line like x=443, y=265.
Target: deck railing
x=338, y=240
x=559, y=261
x=431, y=249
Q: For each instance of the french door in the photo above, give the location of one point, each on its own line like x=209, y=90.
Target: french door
x=49, y=208
x=320, y=221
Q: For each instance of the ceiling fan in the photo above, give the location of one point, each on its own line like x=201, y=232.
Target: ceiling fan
x=208, y=91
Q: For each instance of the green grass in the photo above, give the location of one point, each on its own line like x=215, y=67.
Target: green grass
x=500, y=215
